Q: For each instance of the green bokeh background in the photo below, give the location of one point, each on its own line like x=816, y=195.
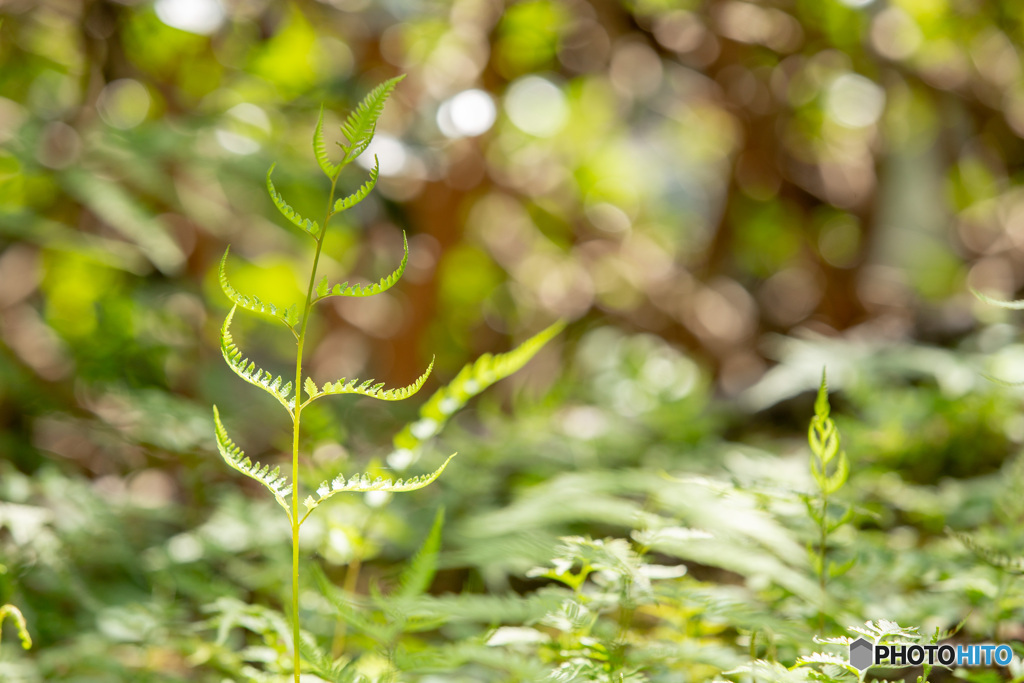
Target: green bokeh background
x=720, y=197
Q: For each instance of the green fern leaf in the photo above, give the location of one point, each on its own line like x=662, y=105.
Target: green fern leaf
x=1015, y=305
x=320, y=150
x=884, y=630
x=369, y=388
x=1009, y=563
x=361, y=123
x=229, y=614
x=248, y=370
x=19, y=623
x=822, y=433
x=360, y=194
x=821, y=406
x=416, y=577
x=386, y=282
x=311, y=227
x=320, y=663
x=471, y=380
x=236, y=459
x=835, y=481
x=289, y=316
x=361, y=483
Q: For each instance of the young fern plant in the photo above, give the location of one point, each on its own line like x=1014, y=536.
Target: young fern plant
x=830, y=469
x=358, y=129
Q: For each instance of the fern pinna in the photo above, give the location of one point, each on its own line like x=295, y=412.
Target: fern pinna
x=358, y=129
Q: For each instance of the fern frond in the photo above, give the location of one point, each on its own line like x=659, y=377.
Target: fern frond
x=885, y=630
x=1009, y=563
x=19, y=623
x=821, y=405
x=236, y=459
x=361, y=123
x=289, y=316
x=361, y=483
x=228, y=614
x=418, y=574
x=360, y=194
x=248, y=370
x=320, y=150
x=365, y=388
x=324, y=290
x=471, y=380
x=311, y=227
x=1014, y=305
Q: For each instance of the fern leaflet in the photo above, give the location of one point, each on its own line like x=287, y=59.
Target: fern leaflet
x=417, y=576
x=320, y=150
x=360, y=124
x=365, y=388
x=324, y=290
x=471, y=380
x=311, y=227
x=361, y=483
x=289, y=316
x=335, y=671
x=236, y=459
x=19, y=623
x=360, y=194
x=1008, y=563
x=248, y=370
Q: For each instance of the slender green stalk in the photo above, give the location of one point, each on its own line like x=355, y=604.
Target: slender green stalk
x=296, y=522
x=822, y=569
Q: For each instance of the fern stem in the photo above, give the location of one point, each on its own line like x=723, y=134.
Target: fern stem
x=823, y=569
x=296, y=522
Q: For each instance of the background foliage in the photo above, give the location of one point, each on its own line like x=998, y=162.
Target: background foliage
x=722, y=197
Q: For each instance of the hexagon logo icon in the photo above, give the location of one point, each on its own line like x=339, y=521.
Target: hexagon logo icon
x=862, y=654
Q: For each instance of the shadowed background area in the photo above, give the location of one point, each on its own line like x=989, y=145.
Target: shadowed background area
x=720, y=196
